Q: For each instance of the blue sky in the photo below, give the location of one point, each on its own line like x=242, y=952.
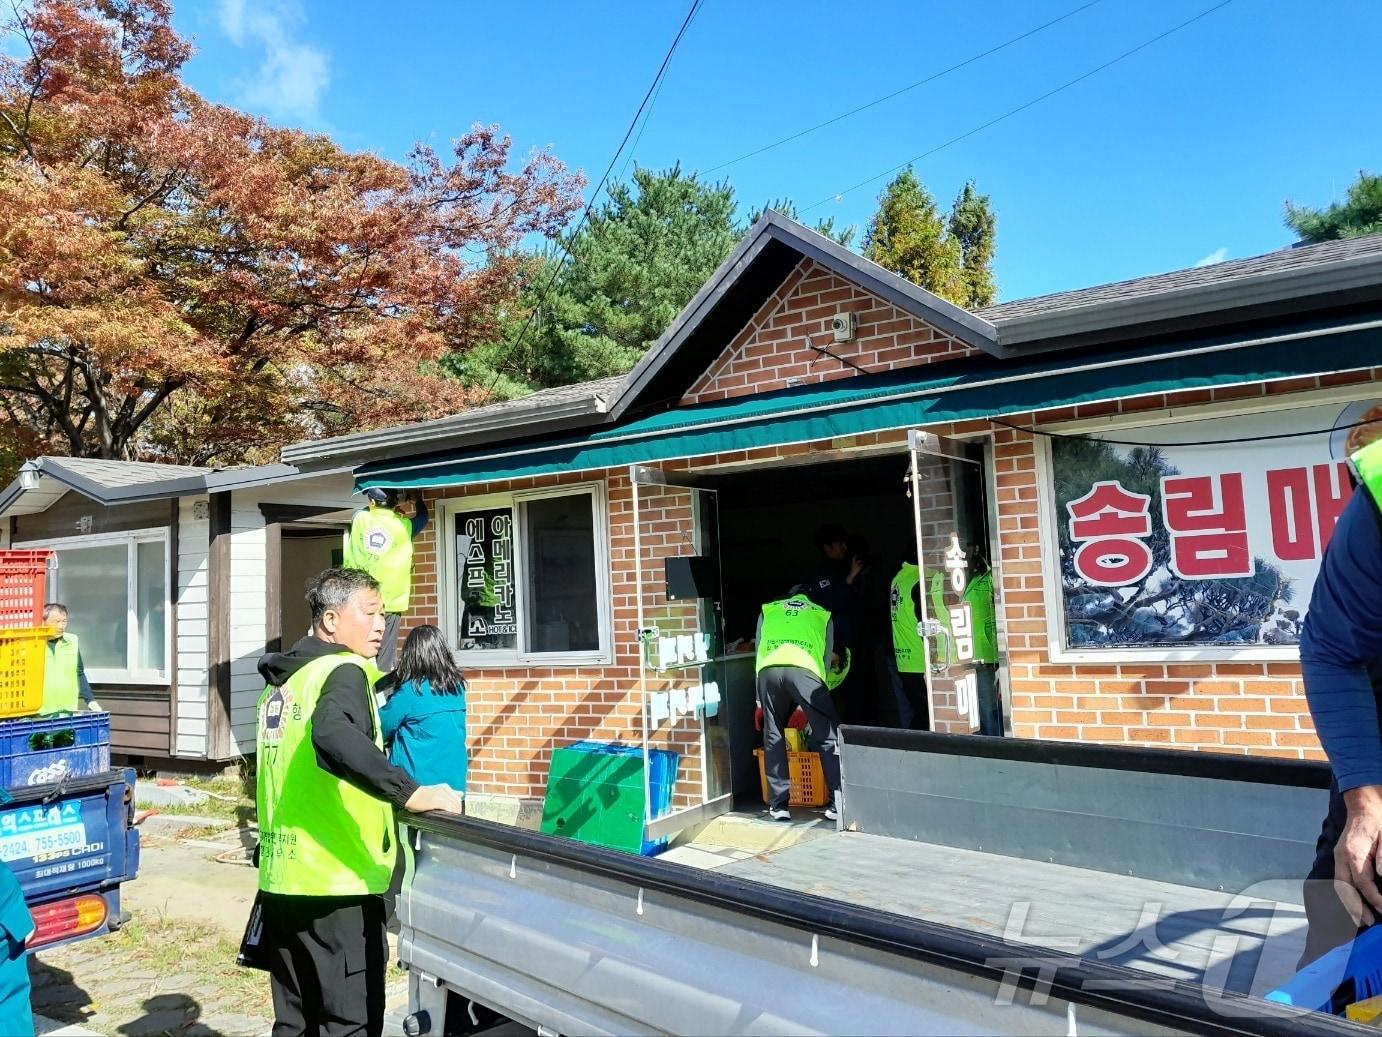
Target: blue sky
x=1181, y=153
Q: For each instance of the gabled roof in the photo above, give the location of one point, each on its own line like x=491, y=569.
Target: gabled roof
x=549, y=410
x=44, y=480
x=770, y=251
x=1285, y=282
x=1222, y=298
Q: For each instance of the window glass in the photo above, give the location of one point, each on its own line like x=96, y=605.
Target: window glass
x=93, y=582
x=562, y=612
x=151, y=609
x=487, y=609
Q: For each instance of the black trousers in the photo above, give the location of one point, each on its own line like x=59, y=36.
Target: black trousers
x=913, y=706
x=781, y=689
x=1329, y=923
x=388, y=648
x=327, y=958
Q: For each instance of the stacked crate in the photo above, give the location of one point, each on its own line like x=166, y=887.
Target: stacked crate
x=37, y=750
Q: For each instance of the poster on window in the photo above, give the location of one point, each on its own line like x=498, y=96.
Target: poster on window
x=485, y=566
x=1187, y=541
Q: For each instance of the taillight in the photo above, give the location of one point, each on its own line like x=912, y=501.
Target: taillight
x=64, y=919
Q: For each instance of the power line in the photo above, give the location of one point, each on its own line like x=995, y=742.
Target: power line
x=570, y=239
x=648, y=117
x=1023, y=107
x=898, y=93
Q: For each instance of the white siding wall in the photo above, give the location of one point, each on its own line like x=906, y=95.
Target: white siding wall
x=249, y=588
x=248, y=622
x=193, y=631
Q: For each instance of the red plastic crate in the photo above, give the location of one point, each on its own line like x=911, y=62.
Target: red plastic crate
x=23, y=581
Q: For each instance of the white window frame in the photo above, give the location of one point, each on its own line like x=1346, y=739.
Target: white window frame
x=447, y=564
x=1048, y=523
x=131, y=538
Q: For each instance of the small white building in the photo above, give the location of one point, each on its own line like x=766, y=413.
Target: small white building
x=178, y=579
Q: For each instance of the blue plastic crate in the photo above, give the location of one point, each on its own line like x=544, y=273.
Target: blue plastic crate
x=1342, y=977
x=44, y=750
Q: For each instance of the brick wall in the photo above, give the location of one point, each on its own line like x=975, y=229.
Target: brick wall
x=1255, y=707
x=775, y=345
x=518, y=714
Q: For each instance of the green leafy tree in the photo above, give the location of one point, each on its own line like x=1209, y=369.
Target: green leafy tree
x=951, y=256
x=1358, y=214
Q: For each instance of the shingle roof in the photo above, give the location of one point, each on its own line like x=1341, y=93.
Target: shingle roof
x=124, y=473
x=1298, y=257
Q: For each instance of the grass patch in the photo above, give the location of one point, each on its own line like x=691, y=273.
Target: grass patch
x=230, y=796
x=167, y=947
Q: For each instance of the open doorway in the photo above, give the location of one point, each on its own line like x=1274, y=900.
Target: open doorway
x=768, y=524
x=305, y=551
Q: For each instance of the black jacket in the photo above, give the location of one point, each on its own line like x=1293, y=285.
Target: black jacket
x=342, y=728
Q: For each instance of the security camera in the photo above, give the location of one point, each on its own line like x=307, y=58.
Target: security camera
x=843, y=326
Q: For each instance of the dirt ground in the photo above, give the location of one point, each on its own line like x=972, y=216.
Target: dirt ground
x=172, y=969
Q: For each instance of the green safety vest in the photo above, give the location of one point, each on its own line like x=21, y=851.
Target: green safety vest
x=793, y=634
x=60, y=688
x=908, y=646
x=983, y=625
x=380, y=541
x=319, y=835
x=1367, y=465
x=979, y=595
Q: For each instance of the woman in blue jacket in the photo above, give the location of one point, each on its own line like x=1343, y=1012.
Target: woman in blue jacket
x=424, y=720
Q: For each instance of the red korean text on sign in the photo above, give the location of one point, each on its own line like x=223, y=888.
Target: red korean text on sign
x=1208, y=524
x=1112, y=523
x=1304, y=505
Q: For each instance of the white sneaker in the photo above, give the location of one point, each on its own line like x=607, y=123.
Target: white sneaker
x=831, y=814
x=780, y=814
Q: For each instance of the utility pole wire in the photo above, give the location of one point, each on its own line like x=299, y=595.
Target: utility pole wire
x=595, y=195
x=1021, y=108
x=898, y=93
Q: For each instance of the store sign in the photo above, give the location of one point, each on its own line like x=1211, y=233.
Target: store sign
x=484, y=551
x=1185, y=540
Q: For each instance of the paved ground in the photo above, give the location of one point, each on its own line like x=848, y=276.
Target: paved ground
x=171, y=971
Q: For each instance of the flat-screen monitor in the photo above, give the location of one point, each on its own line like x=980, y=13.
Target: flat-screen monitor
x=692, y=576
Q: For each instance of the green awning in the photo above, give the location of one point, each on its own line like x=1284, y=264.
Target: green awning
x=974, y=388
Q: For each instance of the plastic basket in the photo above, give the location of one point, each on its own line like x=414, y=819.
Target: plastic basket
x=46, y=750
x=22, y=654
x=23, y=580
x=808, y=779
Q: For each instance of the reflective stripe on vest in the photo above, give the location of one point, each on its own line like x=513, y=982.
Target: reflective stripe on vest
x=1367, y=465
x=907, y=643
x=793, y=634
x=319, y=836
x=61, y=689
x=380, y=541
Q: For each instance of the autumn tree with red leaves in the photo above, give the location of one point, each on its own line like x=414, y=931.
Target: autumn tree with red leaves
x=182, y=281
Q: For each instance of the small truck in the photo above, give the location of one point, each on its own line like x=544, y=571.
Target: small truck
x=972, y=886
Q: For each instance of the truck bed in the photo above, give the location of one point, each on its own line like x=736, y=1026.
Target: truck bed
x=1248, y=944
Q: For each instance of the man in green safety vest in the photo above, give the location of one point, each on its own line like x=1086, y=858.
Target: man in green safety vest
x=909, y=650
x=796, y=654
x=326, y=794
x=64, y=677
x=380, y=541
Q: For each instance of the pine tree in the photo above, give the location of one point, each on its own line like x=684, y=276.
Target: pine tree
x=638, y=260
x=841, y=235
x=973, y=225
x=1360, y=213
